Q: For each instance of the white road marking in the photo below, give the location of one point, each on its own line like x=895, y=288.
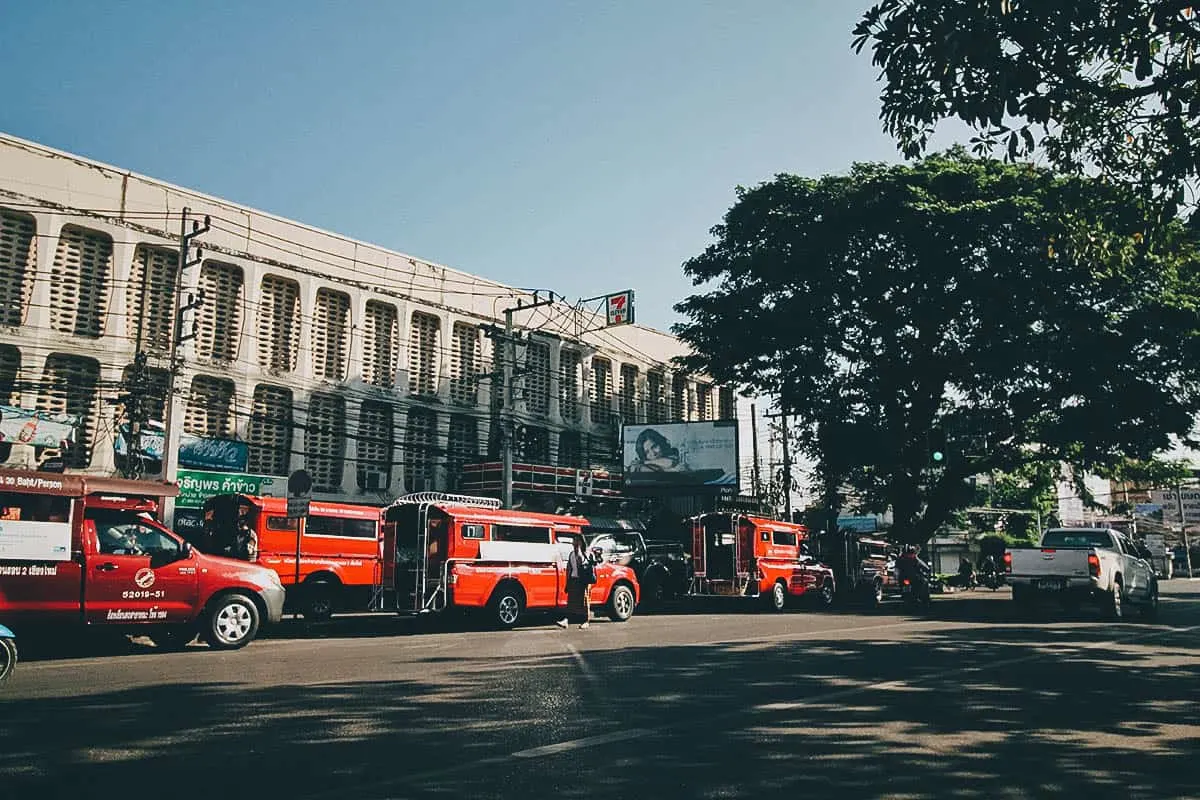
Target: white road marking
x=579, y=744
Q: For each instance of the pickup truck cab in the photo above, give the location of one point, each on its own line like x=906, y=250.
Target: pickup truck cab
x=1083, y=565
x=88, y=551
x=663, y=568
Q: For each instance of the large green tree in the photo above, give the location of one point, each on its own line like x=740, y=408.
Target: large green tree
x=1112, y=86
x=1022, y=314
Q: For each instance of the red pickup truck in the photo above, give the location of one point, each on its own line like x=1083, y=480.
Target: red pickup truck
x=79, y=549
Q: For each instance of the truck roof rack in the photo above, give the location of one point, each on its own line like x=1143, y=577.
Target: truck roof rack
x=416, y=498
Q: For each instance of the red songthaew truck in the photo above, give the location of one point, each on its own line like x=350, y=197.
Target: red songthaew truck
x=85, y=550
x=446, y=552
x=741, y=555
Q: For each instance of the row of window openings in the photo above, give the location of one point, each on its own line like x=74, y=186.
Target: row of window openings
x=83, y=261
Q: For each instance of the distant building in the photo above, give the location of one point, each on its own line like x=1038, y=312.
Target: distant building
x=366, y=367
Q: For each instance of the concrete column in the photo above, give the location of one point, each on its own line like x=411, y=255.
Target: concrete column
x=49, y=226
x=308, y=302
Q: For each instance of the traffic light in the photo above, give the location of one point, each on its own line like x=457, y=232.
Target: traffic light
x=938, y=450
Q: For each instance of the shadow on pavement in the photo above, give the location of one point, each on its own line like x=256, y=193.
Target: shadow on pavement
x=949, y=712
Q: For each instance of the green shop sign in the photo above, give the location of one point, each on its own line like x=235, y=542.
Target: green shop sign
x=197, y=487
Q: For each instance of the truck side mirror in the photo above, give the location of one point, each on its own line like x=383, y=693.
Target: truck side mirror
x=187, y=549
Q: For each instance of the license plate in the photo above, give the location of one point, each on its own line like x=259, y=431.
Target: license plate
x=1055, y=585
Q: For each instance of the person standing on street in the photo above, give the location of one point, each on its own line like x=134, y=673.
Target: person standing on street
x=581, y=574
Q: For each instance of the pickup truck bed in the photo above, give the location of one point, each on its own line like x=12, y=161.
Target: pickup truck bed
x=1096, y=566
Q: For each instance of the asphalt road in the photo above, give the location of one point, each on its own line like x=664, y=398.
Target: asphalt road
x=961, y=702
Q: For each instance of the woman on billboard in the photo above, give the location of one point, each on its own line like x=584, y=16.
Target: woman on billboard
x=655, y=454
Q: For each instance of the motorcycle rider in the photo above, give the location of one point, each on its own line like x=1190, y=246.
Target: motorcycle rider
x=966, y=573
x=991, y=572
x=910, y=567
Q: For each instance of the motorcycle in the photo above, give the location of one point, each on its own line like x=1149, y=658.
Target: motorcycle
x=8, y=653
x=991, y=579
x=915, y=593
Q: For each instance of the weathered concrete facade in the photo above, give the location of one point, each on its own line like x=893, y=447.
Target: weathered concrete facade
x=363, y=365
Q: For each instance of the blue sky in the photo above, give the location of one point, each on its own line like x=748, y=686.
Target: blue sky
x=583, y=147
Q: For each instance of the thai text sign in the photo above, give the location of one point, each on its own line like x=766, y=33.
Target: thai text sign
x=197, y=487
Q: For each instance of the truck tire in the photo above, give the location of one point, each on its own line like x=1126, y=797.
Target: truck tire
x=232, y=622
x=172, y=638
x=317, y=602
x=1116, y=601
x=825, y=595
x=8, y=658
x=1022, y=597
x=620, y=603
x=777, y=598
x=507, y=606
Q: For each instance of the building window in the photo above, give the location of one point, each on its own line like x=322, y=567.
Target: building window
x=420, y=449
x=627, y=399
x=570, y=450
x=269, y=431
x=534, y=445
x=69, y=386
x=726, y=407
x=278, y=323
x=375, y=433
x=602, y=452
x=331, y=334
x=704, y=405
x=679, y=399
x=210, y=408
x=537, y=378
x=150, y=298
x=462, y=447
x=381, y=351
x=219, y=318
x=569, y=370
x=79, y=282
x=10, y=371
x=464, y=365
x=325, y=441
x=656, y=397
x=18, y=265
x=600, y=391
x=424, y=332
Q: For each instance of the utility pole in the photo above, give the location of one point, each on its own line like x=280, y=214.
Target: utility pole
x=1187, y=547
x=172, y=423
x=787, y=456
x=507, y=396
x=756, y=479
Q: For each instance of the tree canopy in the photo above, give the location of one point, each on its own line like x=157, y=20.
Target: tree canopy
x=1021, y=314
x=1111, y=86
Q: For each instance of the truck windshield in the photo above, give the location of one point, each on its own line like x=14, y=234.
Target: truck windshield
x=1077, y=539
x=615, y=544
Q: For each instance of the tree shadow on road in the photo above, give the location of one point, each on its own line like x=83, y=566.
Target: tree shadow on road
x=952, y=711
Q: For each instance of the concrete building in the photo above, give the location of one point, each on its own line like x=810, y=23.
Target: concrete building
x=364, y=366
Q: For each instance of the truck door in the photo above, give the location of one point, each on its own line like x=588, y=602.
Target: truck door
x=137, y=573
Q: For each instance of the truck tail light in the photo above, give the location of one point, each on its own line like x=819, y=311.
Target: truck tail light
x=1094, y=565
x=1008, y=562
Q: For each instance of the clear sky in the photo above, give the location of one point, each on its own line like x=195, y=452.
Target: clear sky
x=583, y=147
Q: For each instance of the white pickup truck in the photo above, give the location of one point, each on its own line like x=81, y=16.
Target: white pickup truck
x=1078, y=565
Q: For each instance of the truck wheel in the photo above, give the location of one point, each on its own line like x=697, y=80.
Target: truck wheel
x=318, y=600
x=653, y=591
x=506, y=607
x=620, y=603
x=1150, y=609
x=8, y=658
x=777, y=600
x=825, y=595
x=172, y=638
x=232, y=623
x=1116, y=611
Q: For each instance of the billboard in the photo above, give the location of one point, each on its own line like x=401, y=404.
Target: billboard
x=681, y=454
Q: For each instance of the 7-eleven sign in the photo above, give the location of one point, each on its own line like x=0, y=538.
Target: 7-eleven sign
x=620, y=308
